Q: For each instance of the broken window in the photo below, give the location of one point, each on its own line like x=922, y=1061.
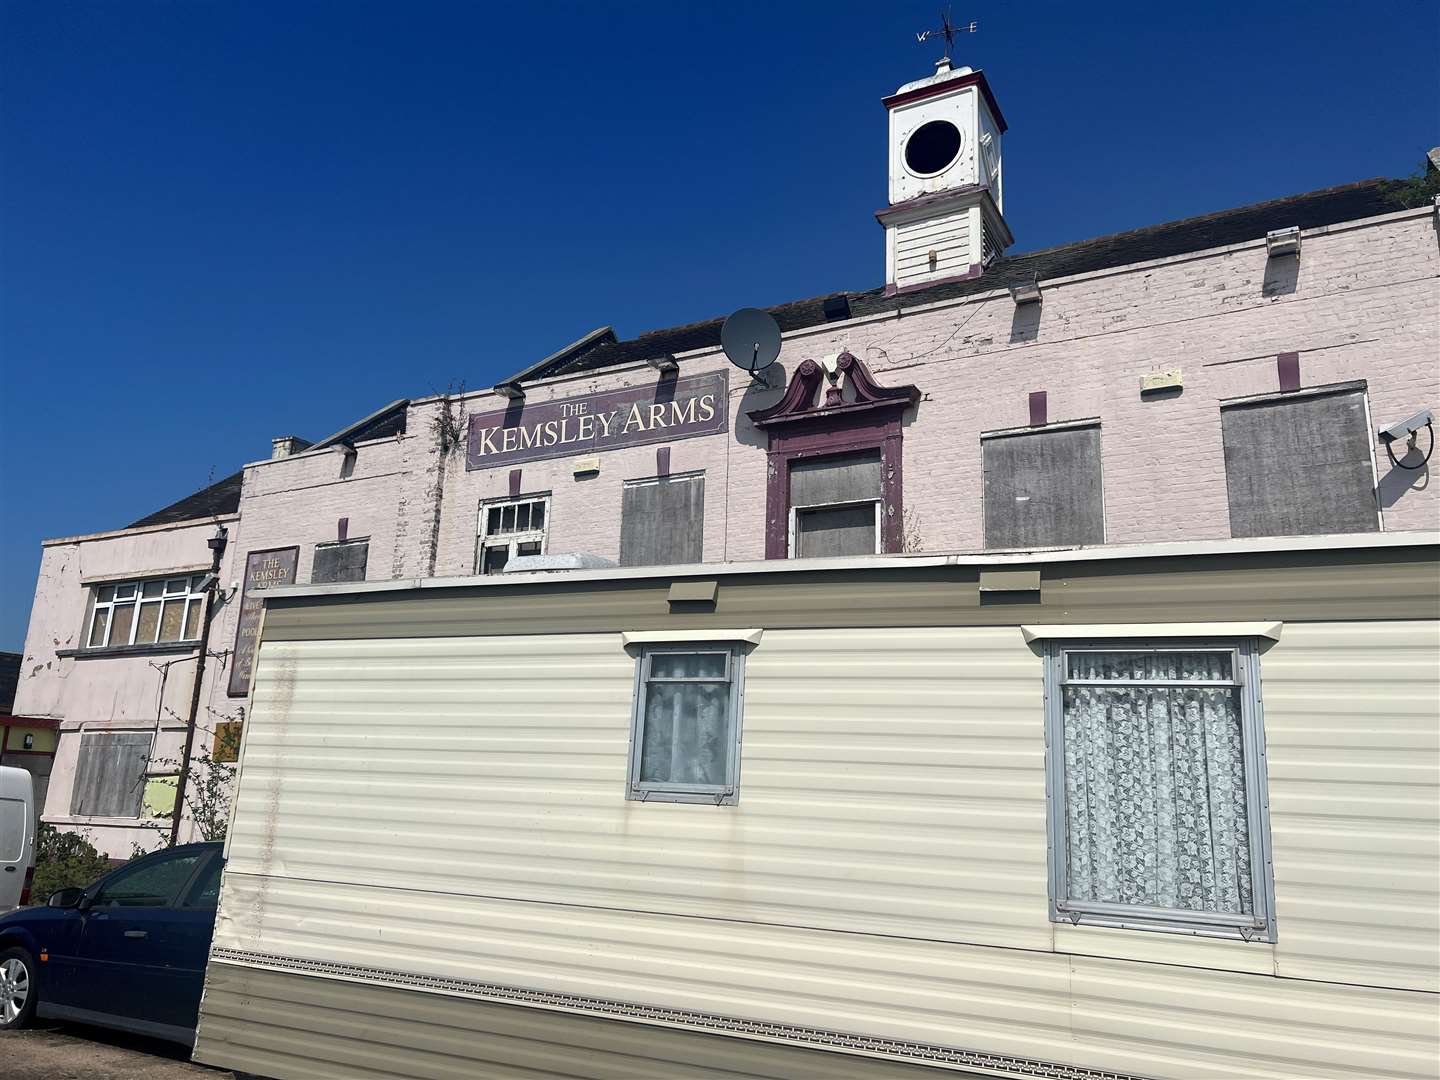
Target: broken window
x=1043, y=489
x=343, y=561
x=662, y=521
x=1299, y=465
x=835, y=504
x=510, y=528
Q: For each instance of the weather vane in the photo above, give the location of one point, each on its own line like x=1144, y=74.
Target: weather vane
x=947, y=30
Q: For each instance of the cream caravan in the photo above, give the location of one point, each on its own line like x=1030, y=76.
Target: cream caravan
x=1167, y=812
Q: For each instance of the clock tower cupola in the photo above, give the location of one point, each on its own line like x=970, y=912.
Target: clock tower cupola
x=946, y=215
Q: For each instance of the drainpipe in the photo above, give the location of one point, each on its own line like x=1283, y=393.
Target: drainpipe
x=217, y=547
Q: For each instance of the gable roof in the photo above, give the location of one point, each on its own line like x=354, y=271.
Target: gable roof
x=1309, y=210
x=223, y=496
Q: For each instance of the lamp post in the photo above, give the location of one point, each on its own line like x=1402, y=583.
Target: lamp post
x=216, y=544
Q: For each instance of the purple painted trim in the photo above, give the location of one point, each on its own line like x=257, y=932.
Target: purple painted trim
x=342, y=530
x=929, y=199
x=514, y=482
x=975, y=78
x=1039, y=408
x=662, y=461
x=1287, y=367
x=800, y=425
x=898, y=290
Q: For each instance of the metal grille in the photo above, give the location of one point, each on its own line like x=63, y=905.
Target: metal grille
x=793, y=1033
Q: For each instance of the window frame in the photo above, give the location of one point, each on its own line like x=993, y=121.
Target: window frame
x=511, y=541
x=726, y=794
x=1258, y=927
x=137, y=602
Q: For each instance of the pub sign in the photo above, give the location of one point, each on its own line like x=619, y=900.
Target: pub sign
x=263, y=570
x=665, y=411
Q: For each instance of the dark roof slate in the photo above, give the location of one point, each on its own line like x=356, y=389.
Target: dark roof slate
x=1328, y=206
x=9, y=680
x=221, y=497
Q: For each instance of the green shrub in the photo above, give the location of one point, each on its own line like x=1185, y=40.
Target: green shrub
x=63, y=860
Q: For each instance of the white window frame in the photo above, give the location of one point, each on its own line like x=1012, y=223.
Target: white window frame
x=512, y=540
x=725, y=794
x=1260, y=926
x=796, y=511
x=184, y=589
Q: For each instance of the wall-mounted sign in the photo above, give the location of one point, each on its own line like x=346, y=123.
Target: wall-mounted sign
x=263, y=570
x=661, y=412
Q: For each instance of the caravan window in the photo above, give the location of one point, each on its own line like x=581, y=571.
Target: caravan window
x=685, y=739
x=1156, y=788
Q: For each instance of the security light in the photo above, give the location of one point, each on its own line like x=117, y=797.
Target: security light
x=510, y=390
x=1026, y=292
x=1405, y=428
x=1283, y=242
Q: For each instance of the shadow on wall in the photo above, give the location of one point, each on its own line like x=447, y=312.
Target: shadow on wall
x=1025, y=323
x=1282, y=275
x=1398, y=481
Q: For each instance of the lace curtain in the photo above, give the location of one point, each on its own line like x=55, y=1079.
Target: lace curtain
x=686, y=738
x=1155, y=804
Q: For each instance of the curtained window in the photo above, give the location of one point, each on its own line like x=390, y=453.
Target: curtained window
x=686, y=737
x=1158, y=821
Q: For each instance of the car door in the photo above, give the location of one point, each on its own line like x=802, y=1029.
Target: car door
x=128, y=939
x=187, y=947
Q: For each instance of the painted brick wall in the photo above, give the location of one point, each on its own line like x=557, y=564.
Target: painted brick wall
x=298, y=502
x=1363, y=302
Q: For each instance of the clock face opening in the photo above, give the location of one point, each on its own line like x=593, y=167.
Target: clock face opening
x=932, y=147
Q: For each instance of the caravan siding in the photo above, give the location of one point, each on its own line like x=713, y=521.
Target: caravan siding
x=442, y=819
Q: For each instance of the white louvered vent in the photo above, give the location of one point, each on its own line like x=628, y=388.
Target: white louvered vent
x=934, y=248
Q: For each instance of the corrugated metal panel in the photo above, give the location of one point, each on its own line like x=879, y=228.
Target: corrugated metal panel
x=515, y=751
x=1286, y=585
x=892, y=783
x=283, y=1025
x=1145, y=1019
x=1352, y=721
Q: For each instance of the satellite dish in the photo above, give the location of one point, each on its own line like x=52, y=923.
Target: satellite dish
x=751, y=339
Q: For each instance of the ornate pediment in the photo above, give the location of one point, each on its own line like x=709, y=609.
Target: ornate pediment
x=844, y=392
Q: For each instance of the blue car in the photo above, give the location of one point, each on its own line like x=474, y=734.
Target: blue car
x=126, y=952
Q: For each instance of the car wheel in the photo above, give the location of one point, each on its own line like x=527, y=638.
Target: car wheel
x=17, y=988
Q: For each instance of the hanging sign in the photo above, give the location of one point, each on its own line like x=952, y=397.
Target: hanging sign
x=661, y=412
x=263, y=570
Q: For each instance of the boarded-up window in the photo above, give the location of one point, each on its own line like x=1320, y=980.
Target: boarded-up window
x=1043, y=489
x=1300, y=465
x=662, y=521
x=110, y=775
x=835, y=504
x=340, y=562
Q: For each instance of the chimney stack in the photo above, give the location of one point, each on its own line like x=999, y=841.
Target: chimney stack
x=286, y=445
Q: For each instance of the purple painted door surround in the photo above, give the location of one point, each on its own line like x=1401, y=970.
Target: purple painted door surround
x=802, y=424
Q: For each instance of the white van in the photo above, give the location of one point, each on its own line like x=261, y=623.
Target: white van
x=17, y=836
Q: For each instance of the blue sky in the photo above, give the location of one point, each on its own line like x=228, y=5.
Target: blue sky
x=224, y=221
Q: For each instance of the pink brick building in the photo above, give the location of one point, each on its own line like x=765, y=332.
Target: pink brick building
x=1215, y=377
